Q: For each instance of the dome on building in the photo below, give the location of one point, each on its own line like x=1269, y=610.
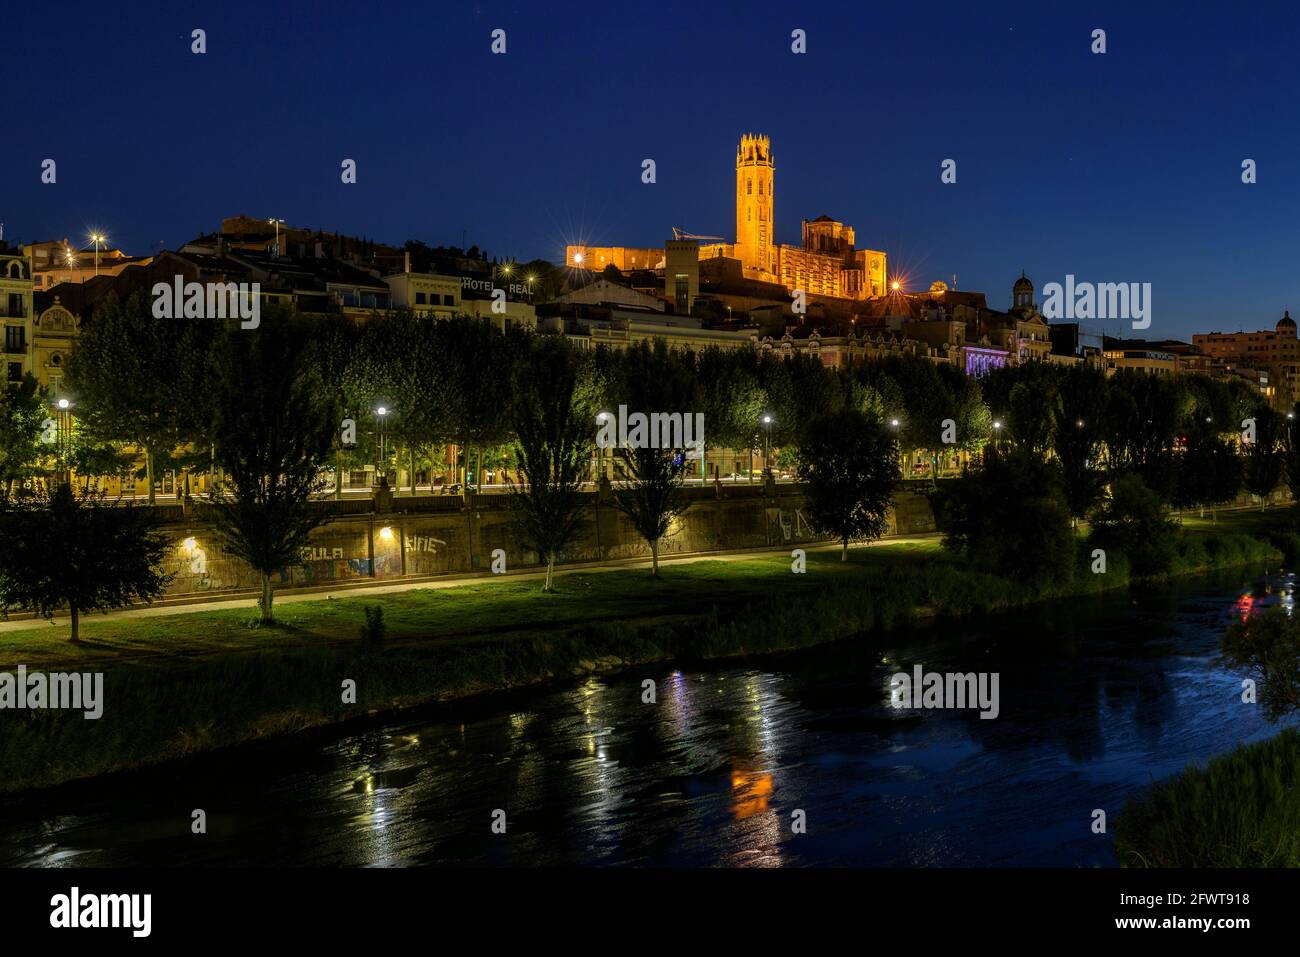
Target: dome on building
x=1286, y=323
x=1023, y=284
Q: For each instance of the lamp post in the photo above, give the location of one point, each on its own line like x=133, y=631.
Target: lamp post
x=382, y=412
x=602, y=418
x=276, y=223
x=64, y=445
x=767, y=434
x=98, y=240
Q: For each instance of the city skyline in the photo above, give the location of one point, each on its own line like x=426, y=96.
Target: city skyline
x=1040, y=185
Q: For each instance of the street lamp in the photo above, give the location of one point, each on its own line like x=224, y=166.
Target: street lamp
x=767, y=434
x=98, y=239
x=382, y=412
x=64, y=445
x=276, y=223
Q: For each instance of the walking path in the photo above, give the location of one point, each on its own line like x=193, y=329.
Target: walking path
x=184, y=606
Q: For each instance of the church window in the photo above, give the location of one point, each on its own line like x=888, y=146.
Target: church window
x=749, y=187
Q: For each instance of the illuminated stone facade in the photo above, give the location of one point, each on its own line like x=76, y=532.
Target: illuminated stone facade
x=827, y=263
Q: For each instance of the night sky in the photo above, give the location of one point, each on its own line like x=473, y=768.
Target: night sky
x=1116, y=168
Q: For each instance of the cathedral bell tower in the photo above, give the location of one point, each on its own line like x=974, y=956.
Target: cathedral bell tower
x=755, y=204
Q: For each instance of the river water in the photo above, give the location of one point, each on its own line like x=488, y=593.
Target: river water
x=1098, y=698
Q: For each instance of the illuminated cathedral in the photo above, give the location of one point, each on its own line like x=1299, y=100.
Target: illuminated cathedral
x=827, y=264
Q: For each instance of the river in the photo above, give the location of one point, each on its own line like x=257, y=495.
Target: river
x=1098, y=698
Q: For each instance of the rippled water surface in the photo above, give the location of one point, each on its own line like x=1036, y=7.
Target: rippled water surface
x=1097, y=698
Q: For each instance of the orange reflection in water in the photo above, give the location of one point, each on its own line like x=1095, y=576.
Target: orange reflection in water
x=1244, y=604
x=749, y=792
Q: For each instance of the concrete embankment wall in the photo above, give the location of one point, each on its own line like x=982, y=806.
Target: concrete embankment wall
x=438, y=535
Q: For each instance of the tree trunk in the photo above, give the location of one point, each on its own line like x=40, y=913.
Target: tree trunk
x=148, y=472
x=338, y=476
x=654, y=558
x=412, y=471
x=76, y=623
x=550, y=571
x=264, y=603
x=844, y=549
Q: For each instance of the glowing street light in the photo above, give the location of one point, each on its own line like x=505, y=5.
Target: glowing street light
x=767, y=435
x=98, y=240
x=382, y=412
x=276, y=223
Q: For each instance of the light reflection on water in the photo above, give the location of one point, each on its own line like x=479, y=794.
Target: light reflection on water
x=1098, y=700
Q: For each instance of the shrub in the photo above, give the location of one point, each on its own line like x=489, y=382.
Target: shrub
x=1240, y=810
x=1133, y=521
x=374, y=630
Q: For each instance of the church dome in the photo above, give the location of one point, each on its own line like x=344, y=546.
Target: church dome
x=1286, y=323
x=1023, y=284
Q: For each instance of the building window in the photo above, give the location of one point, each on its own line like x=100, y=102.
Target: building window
x=15, y=371
x=749, y=187
x=419, y=299
x=14, y=341
x=16, y=304
x=449, y=300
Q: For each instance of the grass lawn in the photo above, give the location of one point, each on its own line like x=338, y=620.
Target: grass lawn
x=468, y=612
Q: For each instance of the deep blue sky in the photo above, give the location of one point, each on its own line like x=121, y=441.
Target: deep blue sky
x=1122, y=167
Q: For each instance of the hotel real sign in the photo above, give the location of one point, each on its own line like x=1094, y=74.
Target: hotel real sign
x=474, y=287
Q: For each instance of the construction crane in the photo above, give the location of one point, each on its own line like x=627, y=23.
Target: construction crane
x=679, y=233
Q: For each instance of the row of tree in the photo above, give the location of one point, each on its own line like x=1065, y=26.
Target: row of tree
x=267, y=411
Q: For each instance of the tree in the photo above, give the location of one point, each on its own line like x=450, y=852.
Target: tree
x=1267, y=647
x=129, y=371
x=1008, y=517
x=1133, y=522
x=274, y=425
x=1263, y=461
x=650, y=380
x=1077, y=437
x=22, y=414
x=1291, y=453
x=849, y=462
x=1142, y=418
x=77, y=552
x=553, y=442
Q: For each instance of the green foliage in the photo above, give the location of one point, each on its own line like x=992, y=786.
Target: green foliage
x=1241, y=810
x=22, y=412
x=1133, y=521
x=1267, y=647
x=274, y=425
x=82, y=553
x=553, y=446
x=1264, y=458
x=1008, y=517
x=373, y=630
x=849, y=462
x=129, y=370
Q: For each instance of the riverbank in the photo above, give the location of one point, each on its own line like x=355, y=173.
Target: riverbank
x=179, y=685
x=1240, y=810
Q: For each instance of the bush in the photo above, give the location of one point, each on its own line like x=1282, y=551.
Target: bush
x=374, y=630
x=1010, y=518
x=1240, y=810
x=1133, y=522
